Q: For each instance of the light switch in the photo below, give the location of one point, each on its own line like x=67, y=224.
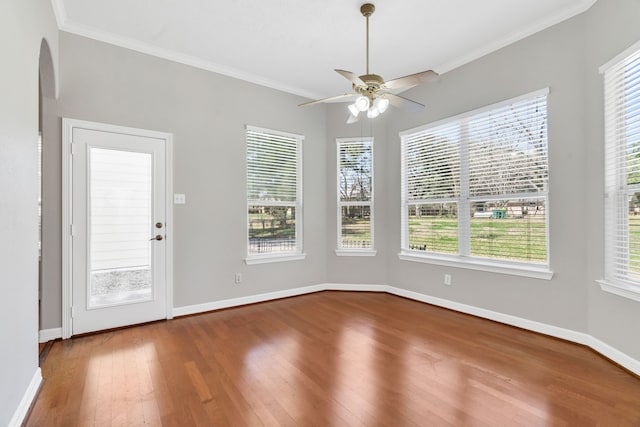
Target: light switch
x=179, y=199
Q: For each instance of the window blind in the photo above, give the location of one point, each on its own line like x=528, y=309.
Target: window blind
x=274, y=192
x=433, y=163
x=508, y=149
x=271, y=167
x=476, y=184
x=622, y=170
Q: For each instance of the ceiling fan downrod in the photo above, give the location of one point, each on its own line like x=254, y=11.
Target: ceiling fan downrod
x=370, y=91
x=367, y=10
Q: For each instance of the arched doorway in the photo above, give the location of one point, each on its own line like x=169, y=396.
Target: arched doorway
x=46, y=88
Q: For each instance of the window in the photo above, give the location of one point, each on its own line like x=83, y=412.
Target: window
x=474, y=189
x=355, y=196
x=622, y=174
x=274, y=195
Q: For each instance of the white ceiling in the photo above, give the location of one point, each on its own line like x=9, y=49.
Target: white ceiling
x=294, y=45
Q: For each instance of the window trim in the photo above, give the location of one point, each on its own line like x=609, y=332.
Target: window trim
x=480, y=264
x=610, y=284
x=298, y=254
x=340, y=251
x=533, y=270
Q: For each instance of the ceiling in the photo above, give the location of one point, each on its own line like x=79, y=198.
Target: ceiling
x=294, y=45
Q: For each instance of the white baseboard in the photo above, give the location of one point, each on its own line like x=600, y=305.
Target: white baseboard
x=531, y=325
x=46, y=335
x=27, y=399
x=614, y=354
x=604, y=349
x=251, y=299
x=354, y=287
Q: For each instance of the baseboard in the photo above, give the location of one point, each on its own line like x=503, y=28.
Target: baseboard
x=615, y=355
x=27, y=399
x=606, y=350
x=531, y=325
x=251, y=299
x=354, y=287
x=47, y=335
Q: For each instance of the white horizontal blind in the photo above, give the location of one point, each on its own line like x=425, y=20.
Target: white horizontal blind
x=476, y=184
x=431, y=175
x=274, y=188
x=120, y=209
x=271, y=167
x=622, y=170
x=433, y=163
x=508, y=149
x=355, y=194
x=508, y=177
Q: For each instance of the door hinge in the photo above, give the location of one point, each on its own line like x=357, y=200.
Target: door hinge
x=72, y=230
x=73, y=312
x=73, y=148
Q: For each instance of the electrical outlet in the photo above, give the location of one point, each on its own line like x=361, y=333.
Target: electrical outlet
x=447, y=279
x=238, y=278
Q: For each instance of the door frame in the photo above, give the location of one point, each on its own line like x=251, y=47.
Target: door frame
x=67, y=257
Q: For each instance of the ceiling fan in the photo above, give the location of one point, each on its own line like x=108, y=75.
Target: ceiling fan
x=370, y=92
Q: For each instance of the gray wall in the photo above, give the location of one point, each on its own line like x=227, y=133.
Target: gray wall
x=356, y=269
x=552, y=58
x=206, y=113
x=612, y=26
x=23, y=25
x=565, y=58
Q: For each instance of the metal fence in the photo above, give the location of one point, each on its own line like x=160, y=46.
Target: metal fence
x=261, y=245
x=356, y=244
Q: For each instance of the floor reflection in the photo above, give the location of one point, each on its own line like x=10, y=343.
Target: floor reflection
x=331, y=359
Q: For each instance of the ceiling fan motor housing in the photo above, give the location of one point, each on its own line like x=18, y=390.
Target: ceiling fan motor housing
x=373, y=83
x=371, y=92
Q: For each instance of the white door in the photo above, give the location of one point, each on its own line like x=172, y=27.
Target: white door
x=118, y=229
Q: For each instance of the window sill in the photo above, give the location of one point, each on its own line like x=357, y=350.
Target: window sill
x=265, y=259
x=626, y=291
x=346, y=252
x=534, y=272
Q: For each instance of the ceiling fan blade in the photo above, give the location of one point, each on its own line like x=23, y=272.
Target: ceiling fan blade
x=352, y=119
x=351, y=77
x=338, y=98
x=401, y=102
x=411, y=80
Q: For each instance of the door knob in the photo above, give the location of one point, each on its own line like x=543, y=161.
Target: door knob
x=158, y=237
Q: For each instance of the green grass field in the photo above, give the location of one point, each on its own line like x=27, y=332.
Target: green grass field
x=268, y=227
x=517, y=239
x=520, y=239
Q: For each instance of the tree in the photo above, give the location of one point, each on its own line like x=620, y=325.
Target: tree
x=355, y=172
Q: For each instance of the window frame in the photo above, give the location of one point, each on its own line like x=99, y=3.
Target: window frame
x=616, y=188
x=464, y=259
x=340, y=250
x=298, y=252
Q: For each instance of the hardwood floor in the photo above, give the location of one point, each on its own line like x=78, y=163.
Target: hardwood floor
x=331, y=359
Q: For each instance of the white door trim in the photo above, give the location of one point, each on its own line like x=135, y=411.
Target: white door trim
x=67, y=132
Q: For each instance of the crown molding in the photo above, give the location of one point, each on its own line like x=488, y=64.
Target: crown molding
x=569, y=12
x=171, y=55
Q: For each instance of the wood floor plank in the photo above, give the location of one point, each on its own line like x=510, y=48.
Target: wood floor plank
x=331, y=359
